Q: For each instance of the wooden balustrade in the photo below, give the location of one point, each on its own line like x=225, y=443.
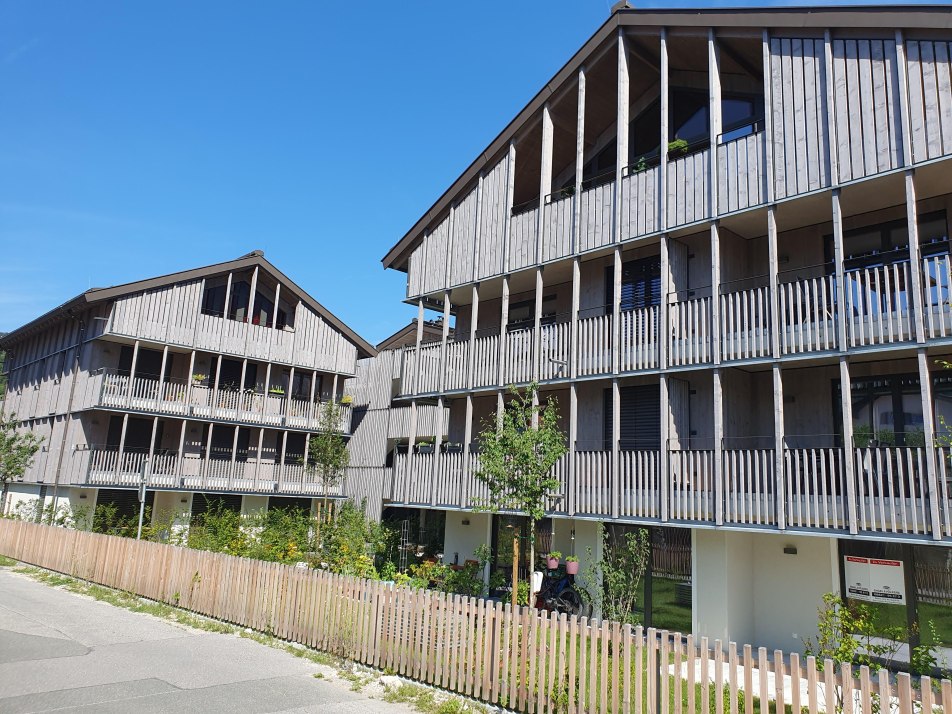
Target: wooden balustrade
x=595, y=221
x=592, y=490
x=808, y=315
x=594, y=345
x=943, y=459
x=558, y=214
x=749, y=492
x=691, y=495
x=517, y=364
x=454, y=371
x=639, y=339
x=690, y=330
x=815, y=479
x=937, y=295
x=485, y=356
x=877, y=304
x=639, y=483
x=687, y=189
x=555, y=345
x=745, y=324
x=891, y=489
x=639, y=214
x=740, y=173
x=523, y=232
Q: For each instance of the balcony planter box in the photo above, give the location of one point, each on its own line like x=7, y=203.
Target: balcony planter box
x=424, y=449
x=452, y=448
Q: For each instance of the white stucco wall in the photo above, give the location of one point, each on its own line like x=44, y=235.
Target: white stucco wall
x=21, y=493
x=460, y=542
x=747, y=590
x=253, y=504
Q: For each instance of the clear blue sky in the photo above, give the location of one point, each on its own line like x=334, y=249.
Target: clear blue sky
x=141, y=138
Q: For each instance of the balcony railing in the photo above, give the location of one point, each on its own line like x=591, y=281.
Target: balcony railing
x=890, y=489
x=177, y=398
x=876, y=307
x=109, y=467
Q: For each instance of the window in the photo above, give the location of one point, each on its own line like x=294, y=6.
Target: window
x=522, y=313
x=240, y=292
x=640, y=284
x=640, y=418
x=887, y=243
x=213, y=301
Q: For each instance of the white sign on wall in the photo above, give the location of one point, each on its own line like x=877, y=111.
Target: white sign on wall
x=875, y=579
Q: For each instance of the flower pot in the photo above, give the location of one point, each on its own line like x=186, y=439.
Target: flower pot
x=553, y=563
x=571, y=567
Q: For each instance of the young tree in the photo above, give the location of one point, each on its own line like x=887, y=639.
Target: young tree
x=517, y=456
x=327, y=454
x=16, y=454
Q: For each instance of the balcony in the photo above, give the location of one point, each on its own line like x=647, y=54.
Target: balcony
x=110, y=390
x=108, y=468
x=890, y=491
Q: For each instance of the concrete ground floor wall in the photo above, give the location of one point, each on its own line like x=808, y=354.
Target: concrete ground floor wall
x=746, y=587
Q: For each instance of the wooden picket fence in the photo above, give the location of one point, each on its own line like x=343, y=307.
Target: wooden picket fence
x=521, y=659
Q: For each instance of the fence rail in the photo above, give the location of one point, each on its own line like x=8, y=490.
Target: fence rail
x=521, y=658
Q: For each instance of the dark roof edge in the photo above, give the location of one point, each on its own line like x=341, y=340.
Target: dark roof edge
x=931, y=16
x=255, y=258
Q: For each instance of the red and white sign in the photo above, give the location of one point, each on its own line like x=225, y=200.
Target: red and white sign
x=875, y=579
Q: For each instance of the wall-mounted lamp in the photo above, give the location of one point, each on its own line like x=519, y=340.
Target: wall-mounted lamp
x=790, y=550
x=465, y=521
x=184, y=500
x=82, y=496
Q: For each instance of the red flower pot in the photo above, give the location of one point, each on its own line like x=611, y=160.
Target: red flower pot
x=553, y=563
x=571, y=567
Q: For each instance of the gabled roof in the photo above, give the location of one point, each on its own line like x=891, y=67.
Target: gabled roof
x=923, y=15
x=254, y=259
x=406, y=335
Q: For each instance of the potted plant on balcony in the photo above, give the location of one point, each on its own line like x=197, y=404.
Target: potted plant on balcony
x=424, y=447
x=346, y=400
x=677, y=148
x=553, y=559
x=198, y=378
x=452, y=447
x=571, y=565
x=276, y=391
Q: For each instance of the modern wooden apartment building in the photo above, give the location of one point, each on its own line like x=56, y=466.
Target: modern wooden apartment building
x=740, y=300
x=215, y=376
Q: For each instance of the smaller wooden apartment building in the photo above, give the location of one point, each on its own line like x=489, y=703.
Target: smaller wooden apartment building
x=214, y=375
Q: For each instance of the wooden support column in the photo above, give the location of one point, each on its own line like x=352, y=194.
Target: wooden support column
x=208, y=454
x=213, y=402
x=251, y=295
x=416, y=353
x=502, y=361
x=715, y=292
x=312, y=418
x=234, y=457
x=466, y=476
x=122, y=445
x=155, y=429
x=664, y=331
x=189, y=383
x=928, y=427
x=773, y=268
x=470, y=348
x=537, y=328
x=572, y=495
x=780, y=501
x=259, y=456
x=906, y=146
x=621, y=134
x=132, y=373
x=841, y=316
x=664, y=458
x=160, y=395
x=411, y=461
x=579, y=163
x=241, y=389
x=917, y=318
x=510, y=189
x=576, y=290
x=545, y=180
x=616, y=310
x=714, y=97
x=719, y=490
x=663, y=147
x=181, y=452
x=287, y=395
x=279, y=478
x=228, y=284
x=267, y=393
x=277, y=298
x=437, y=446
x=444, y=338
x=768, y=178
x=616, y=449
x=849, y=463
x=829, y=151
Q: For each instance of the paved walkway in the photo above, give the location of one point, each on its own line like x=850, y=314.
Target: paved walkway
x=65, y=652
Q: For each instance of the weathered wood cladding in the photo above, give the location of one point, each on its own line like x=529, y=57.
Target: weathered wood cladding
x=835, y=104
x=173, y=315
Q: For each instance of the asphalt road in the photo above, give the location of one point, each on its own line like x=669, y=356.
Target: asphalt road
x=68, y=653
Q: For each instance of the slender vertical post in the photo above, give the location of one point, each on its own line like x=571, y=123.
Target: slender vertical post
x=279, y=480
x=122, y=446
x=621, y=134
x=206, y=463
x=251, y=295
x=228, y=285
x=241, y=388
x=466, y=476
x=545, y=181
x=515, y=573
x=444, y=339
x=714, y=96
x=664, y=458
x=411, y=460
x=715, y=292
x=719, y=490
x=780, y=500
x=418, y=366
x=312, y=418
x=917, y=326
x=616, y=338
x=576, y=290
x=234, y=457
x=616, y=448
x=437, y=446
x=181, y=452
x=773, y=269
x=537, y=328
x=474, y=319
x=510, y=189
x=277, y=299
x=132, y=373
x=214, y=400
x=189, y=382
x=928, y=427
x=155, y=430
x=571, y=503
x=160, y=394
x=769, y=179
x=287, y=395
x=663, y=147
x=906, y=136
x=266, y=393
x=258, y=457
x=841, y=314
x=502, y=362
x=833, y=159
x=579, y=163
x=849, y=463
